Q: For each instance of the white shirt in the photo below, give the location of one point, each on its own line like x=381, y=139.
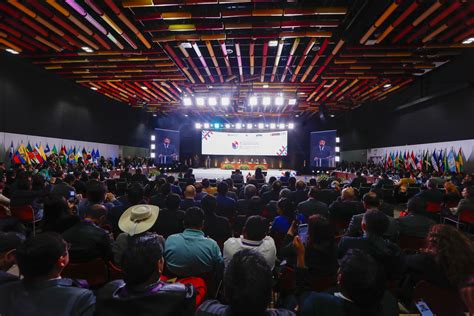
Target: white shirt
x=266, y=247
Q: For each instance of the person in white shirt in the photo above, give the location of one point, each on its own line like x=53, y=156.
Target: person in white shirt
x=254, y=237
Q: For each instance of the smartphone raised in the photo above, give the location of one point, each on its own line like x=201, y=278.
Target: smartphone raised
x=303, y=232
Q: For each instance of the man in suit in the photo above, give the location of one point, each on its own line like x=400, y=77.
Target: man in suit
x=166, y=151
x=226, y=206
x=322, y=154
x=237, y=176
x=312, y=206
x=358, y=180
x=384, y=181
x=250, y=190
x=301, y=193
x=371, y=201
x=345, y=206
x=432, y=194
x=189, y=195
x=273, y=194
x=415, y=224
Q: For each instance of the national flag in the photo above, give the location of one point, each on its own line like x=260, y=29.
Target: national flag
x=78, y=154
x=12, y=151
x=63, y=150
x=412, y=160
x=419, y=160
x=460, y=161
x=397, y=160
x=401, y=160
x=47, y=150
x=24, y=154
x=37, y=154
x=97, y=153
x=390, y=160
x=31, y=154
x=93, y=155
x=446, y=161
x=54, y=150
x=42, y=152
x=18, y=159
x=434, y=161
x=451, y=160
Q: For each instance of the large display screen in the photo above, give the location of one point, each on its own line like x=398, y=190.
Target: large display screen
x=166, y=146
x=245, y=144
x=323, y=149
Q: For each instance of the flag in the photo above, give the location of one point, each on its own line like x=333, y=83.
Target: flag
x=93, y=155
x=12, y=153
x=412, y=158
x=419, y=161
x=397, y=160
x=390, y=160
x=446, y=161
x=47, y=150
x=42, y=152
x=63, y=150
x=18, y=159
x=97, y=153
x=460, y=161
x=37, y=154
x=451, y=160
x=401, y=160
x=54, y=150
x=31, y=154
x=24, y=153
x=434, y=161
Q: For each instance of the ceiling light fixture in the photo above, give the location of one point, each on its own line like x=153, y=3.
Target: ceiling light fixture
x=469, y=40
x=249, y=126
x=265, y=86
x=225, y=101
x=388, y=85
x=186, y=45
x=260, y=125
x=206, y=125
x=253, y=101
x=187, y=101
x=94, y=88
x=266, y=101
x=144, y=88
x=238, y=125
x=212, y=101
x=198, y=125
x=273, y=43
x=87, y=49
x=12, y=51
x=279, y=101
x=272, y=125
x=200, y=101
x=292, y=101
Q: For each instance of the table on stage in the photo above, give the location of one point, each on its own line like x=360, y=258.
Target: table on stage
x=238, y=165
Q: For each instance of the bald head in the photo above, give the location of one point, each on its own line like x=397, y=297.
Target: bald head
x=348, y=193
x=190, y=192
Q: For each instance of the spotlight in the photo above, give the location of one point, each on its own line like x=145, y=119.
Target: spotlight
x=388, y=85
x=185, y=115
x=297, y=115
x=152, y=137
x=273, y=43
x=338, y=140
x=291, y=125
x=212, y=101
x=198, y=125
x=94, y=88
x=238, y=126
x=200, y=101
x=154, y=115
x=469, y=40
x=12, y=51
x=152, y=155
x=338, y=158
x=152, y=146
x=292, y=102
x=87, y=49
x=249, y=126
x=253, y=101
x=225, y=101
x=272, y=125
x=206, y=125
x=187, y=101
x=332, y=115
x=144, y=88
x=266, y=101
x=260, y=125
x=227, y=125
x=281, y=126
x=279, y=101
x=265, y=86
x=217, y=125
x=338, y=149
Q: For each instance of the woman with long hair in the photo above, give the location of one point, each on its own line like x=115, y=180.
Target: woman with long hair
x=451, y=194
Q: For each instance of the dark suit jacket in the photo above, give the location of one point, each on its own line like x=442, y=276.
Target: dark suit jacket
x=6, y=277
x=239, y=178
x=63, y=189
x=215, y=308
x=187, y=203
x=355, y=227
x=414, y=225
x=327, y=196
x=299, y=196
x=170, y=222
x=270, y=196
x=322, y=153
x=162, y=150
x=357, y=181
x=432, y=195
x=242, y=206
x=313, y=207
x=344, y=210
x=225, y=206
x=53, y=297
x=218, y=228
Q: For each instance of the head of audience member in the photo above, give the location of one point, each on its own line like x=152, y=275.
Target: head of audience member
x=453, y=251
x=407, y=175
x=42, y=257
x=209, y=205
x=190, y=192
x=287, y=208
x=287, y=174
x=320, y=231
x=271, y=180
x=431, y=184
x=313, y=182
x=248, y=283
x=285, y=193
x=172, y=202
x=165, y=189
x=359, y=174
x=292, y=182
x=142, y=261
x=237, y=171
x=170, y=179
x=384, y=176
x=255, y=228
x=9, y=242
x=95, y=192
x=188, y=174
x=374, y=223
x=348, y=194
x=96, y=213
x=198, y=187
x=70, y=179
x=450, y=188
x=205, y=183
x=55, y=207
x=250, y=190
x=230, y=183
x=300, y=185
x=313, y=193
x=94, y=175
x=255, y=206
x=468, y=193
x=222, y=188
x=258, y=172
x=24, y=184
x=135, y=193
x=416, y=205
x=276, y=186
x=194, y=218
x=138, y=171
x=371, y=201
x=362, y=280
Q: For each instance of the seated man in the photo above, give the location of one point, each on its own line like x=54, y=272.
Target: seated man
x=415, y=224
x=171, y=217
x=199, y=193
x=300, y=194
x=41, y=260
x=358, y=180
x=432, y=194
x=371, y=201
x=88, y=240
x=249, y=191
x=9, y=242
x=96, y=193
x=226, y=206
x=189, y=195
x=141, y=292
x=216, y=227
x=312, y=206
x=191, y=253
x=254, y=237
x=247, y=286
x=345, y=207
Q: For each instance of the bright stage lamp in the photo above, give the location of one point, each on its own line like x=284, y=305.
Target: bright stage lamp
x=249, y=126
x=152, y=137
x=212, y=101
x=338, y=149
x=260, y=125
x=338, y=158
x=253, y=101
x=238, y=126
x=272, y=125
x=152, y=146
x=225, y=101
x=152, y=155
x=292, y=101
x=266, y=101
x=227, y=125
x=198, y=125
x=281, y=126
x=279, y=101
x=291, y=125
x=338, y=140
x=206, y=125
x=217, y=125
x=200, y=101
x=187, y=101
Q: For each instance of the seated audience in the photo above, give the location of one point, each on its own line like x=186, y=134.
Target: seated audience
x=312, y=206
x=189, y=195
x=232, y=190
x=191, y=253
x=176, y=189
x=96, y=194
x=24, y=194
x=199, y=193
x=171, y=218
x=134, y=196
x=159, y=199
x=371, y=201
x=451, y=194
x=286, y=215
x=65, y=187
x=216, y=227
x=141, y=292
x=358, y=181
x=139, y=177
x=254, y=237
x=292, y=184
x=286, y=177
x=206, y=187
x=466, y=203
x=432, y=194
x=345, y=206
x=384, y=181
x=415, y=223
x=87, y=239
x=225, y=205
x=126, y=175
x=237, y=176
x=9, y=242
x=249, y=191
x=273, y=194
x=300, y=193
x=247, y=288
x=42, y=291
x=58, y=215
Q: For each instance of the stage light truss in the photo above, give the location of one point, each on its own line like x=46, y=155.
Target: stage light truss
x=224, y=101
x=242, y=125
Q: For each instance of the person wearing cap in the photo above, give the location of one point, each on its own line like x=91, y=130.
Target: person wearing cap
x=8, y=243
x=191, y=253
x=136, y=221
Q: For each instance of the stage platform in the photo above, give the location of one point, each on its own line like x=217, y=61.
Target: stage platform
x=219, y=174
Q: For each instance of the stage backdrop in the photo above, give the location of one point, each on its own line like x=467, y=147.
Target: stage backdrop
x=447, y=155
x=245, y=144
x=166, y=145
x=323, y=148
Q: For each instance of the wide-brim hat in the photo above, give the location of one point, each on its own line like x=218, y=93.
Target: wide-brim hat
x=138, y=219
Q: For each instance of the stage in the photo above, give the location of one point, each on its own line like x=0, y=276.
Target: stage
x=219, y=174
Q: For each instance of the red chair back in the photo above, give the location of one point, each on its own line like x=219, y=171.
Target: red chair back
x=442, y=302
x=24, y=213
x=411, y=243
x=95, y=272
x=432, y=207
x=467, y=216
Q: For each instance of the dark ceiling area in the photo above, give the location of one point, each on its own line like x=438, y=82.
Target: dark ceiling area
x=241, y=58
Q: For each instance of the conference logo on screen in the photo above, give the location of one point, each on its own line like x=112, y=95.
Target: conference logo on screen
x=235, y=145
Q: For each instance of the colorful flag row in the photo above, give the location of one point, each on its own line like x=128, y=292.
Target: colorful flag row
x=440, y=161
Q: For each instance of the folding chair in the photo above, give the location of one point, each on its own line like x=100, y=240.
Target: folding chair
x=26, y=214
x=95, y=272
